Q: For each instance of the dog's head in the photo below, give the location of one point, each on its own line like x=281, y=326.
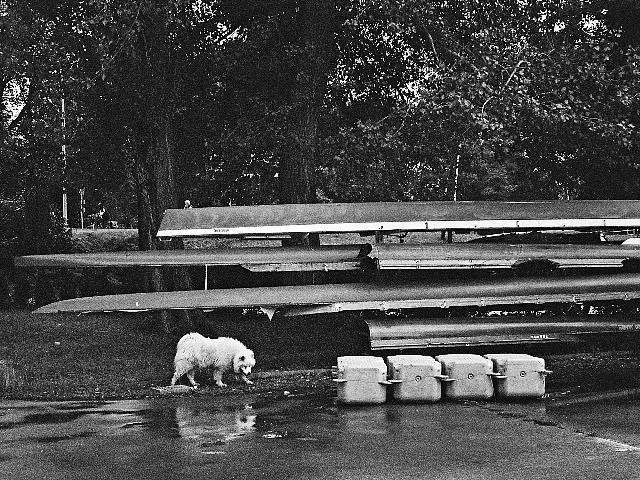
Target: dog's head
x=243, y=362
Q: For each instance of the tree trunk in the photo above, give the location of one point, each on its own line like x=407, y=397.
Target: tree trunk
x=156, y=193
x=33, y=238
x=298, y=162
x=145, y=210
x=37, y=220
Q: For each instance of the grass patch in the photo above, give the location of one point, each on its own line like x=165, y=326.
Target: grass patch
x=116, y=356
x=111, y=356
x=64, y=356
x=109, y=240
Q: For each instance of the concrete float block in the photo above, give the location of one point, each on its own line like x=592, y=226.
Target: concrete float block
x=518, y=375
x=361, y=380
x=415, y=378
x=469, y=376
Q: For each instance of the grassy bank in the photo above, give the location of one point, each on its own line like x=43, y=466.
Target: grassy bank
x=114, y=356
x=123, y=356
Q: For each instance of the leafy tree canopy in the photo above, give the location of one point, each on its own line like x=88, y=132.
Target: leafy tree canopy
x=411, y=100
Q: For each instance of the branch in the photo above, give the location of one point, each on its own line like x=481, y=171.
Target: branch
x=3, y=85
x=462, y=59
x=515, y=69
x=433, y=47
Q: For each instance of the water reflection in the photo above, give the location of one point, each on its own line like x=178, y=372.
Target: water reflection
x=213, y=425
x=226, y=437
x=187, y=419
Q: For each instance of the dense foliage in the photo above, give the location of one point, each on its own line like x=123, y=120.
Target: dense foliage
x=246, y=102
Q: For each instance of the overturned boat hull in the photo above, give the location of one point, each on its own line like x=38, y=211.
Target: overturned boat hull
x=366, y=296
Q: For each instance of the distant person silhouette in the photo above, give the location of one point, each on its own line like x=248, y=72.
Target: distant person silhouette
x=187, y=204
x=102, y=217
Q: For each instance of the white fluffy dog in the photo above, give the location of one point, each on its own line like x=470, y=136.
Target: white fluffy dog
x=223, y=354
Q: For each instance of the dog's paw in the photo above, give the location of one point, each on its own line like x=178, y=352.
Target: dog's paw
x=221, y=384
x=248, y=382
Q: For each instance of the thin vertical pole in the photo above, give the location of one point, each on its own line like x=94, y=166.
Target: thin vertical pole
x=65, y=213
x=82, y=208
x=455, y=195
x=455, y=181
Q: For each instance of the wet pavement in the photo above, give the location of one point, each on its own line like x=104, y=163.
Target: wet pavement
x=312, y=437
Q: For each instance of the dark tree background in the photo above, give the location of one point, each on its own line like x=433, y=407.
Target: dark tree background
x=266, y=101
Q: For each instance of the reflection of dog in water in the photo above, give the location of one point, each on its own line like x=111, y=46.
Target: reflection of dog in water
x=214, y=426
x=223, y=354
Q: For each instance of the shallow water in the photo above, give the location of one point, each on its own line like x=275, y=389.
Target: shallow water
x=301, y=437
